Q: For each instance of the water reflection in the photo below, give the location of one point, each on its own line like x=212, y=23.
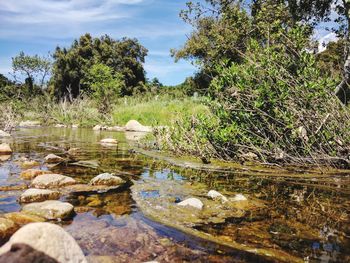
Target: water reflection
x=307, y=217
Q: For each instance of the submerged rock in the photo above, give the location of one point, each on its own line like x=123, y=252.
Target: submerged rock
x=109, y=141
x=29, y=163
x=74, y=151
x=135, y=126
x=53, y=158
x=193, y=202
x=4, y=134
x=50, y=210
x=7, y=228
x=78, y=188
x=32, y=173
x=216, y=195
x=38, y=195
x=89, y=164
x=46, y=238
x=4, y=158
x=107, y=179
x=5, y=149
x=52, y=181
x=21, y=218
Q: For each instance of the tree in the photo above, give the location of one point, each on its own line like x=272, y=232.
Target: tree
x=105, y=86
x=125, y=57
x=35, y=69
x=222, y=29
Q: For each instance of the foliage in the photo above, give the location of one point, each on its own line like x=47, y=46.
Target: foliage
x=105, y=86
x=330, y=61
x=72, y=65
x=35, y=69
x=273, y=101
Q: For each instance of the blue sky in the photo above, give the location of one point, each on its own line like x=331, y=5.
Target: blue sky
x=38, y=26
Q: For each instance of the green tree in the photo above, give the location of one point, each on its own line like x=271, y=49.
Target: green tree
x=35, y=69
x=105, y=86
x=125, y=56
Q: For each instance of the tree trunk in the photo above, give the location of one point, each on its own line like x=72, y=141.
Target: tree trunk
x=343, y=90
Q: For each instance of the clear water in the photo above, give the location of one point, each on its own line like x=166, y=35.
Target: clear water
x=305, y=216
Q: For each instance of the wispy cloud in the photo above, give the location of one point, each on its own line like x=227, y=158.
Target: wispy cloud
x=37, y=26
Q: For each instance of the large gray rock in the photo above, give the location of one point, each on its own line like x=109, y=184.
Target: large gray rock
x=38, y=195
x=5, y=149
x=192, y=202
x=107, y=179
x=135, y=126
x=50, y=209
x=52, y=181
x=49, y=239
x=53, y=158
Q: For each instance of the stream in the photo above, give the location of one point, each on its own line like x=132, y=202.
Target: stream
x=288, y=216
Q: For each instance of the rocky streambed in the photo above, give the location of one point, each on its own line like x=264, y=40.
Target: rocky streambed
x=120, y=206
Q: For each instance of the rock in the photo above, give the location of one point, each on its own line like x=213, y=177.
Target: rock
x=13, y=187
x=4, y=134
x=32, y=173
x=78, y=188
x=109, y=141
x=60, y=126
x=7, y=228
x=238, y=197
x=99, y=128
x=216, y=195
x=74, y=151
x=23, y=218
x=133, y=125
x=52, y=181
x=49, y=239
x=302, y=133
x=38, y=195
x=29, y=124
x=4, y=158
x=5, y=149
x=88, y=164
x=53, y=158
x=51, y=209
x=107, y=179
x=29, y=164
x=75, y=126
x=193, y=202
x=22, y=253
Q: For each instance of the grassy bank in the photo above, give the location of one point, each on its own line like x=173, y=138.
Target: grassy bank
x=148, y=109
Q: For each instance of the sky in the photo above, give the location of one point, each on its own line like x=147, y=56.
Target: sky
x=38, y=26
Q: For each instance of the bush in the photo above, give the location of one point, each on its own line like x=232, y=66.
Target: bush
x=275, y=104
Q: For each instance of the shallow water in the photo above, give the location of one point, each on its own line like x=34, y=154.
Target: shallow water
x=306, y=217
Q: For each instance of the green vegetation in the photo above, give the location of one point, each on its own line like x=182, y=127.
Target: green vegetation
x=259, y=92
x=268, y=97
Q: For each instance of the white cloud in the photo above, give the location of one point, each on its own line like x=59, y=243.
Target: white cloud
x=325, y=40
